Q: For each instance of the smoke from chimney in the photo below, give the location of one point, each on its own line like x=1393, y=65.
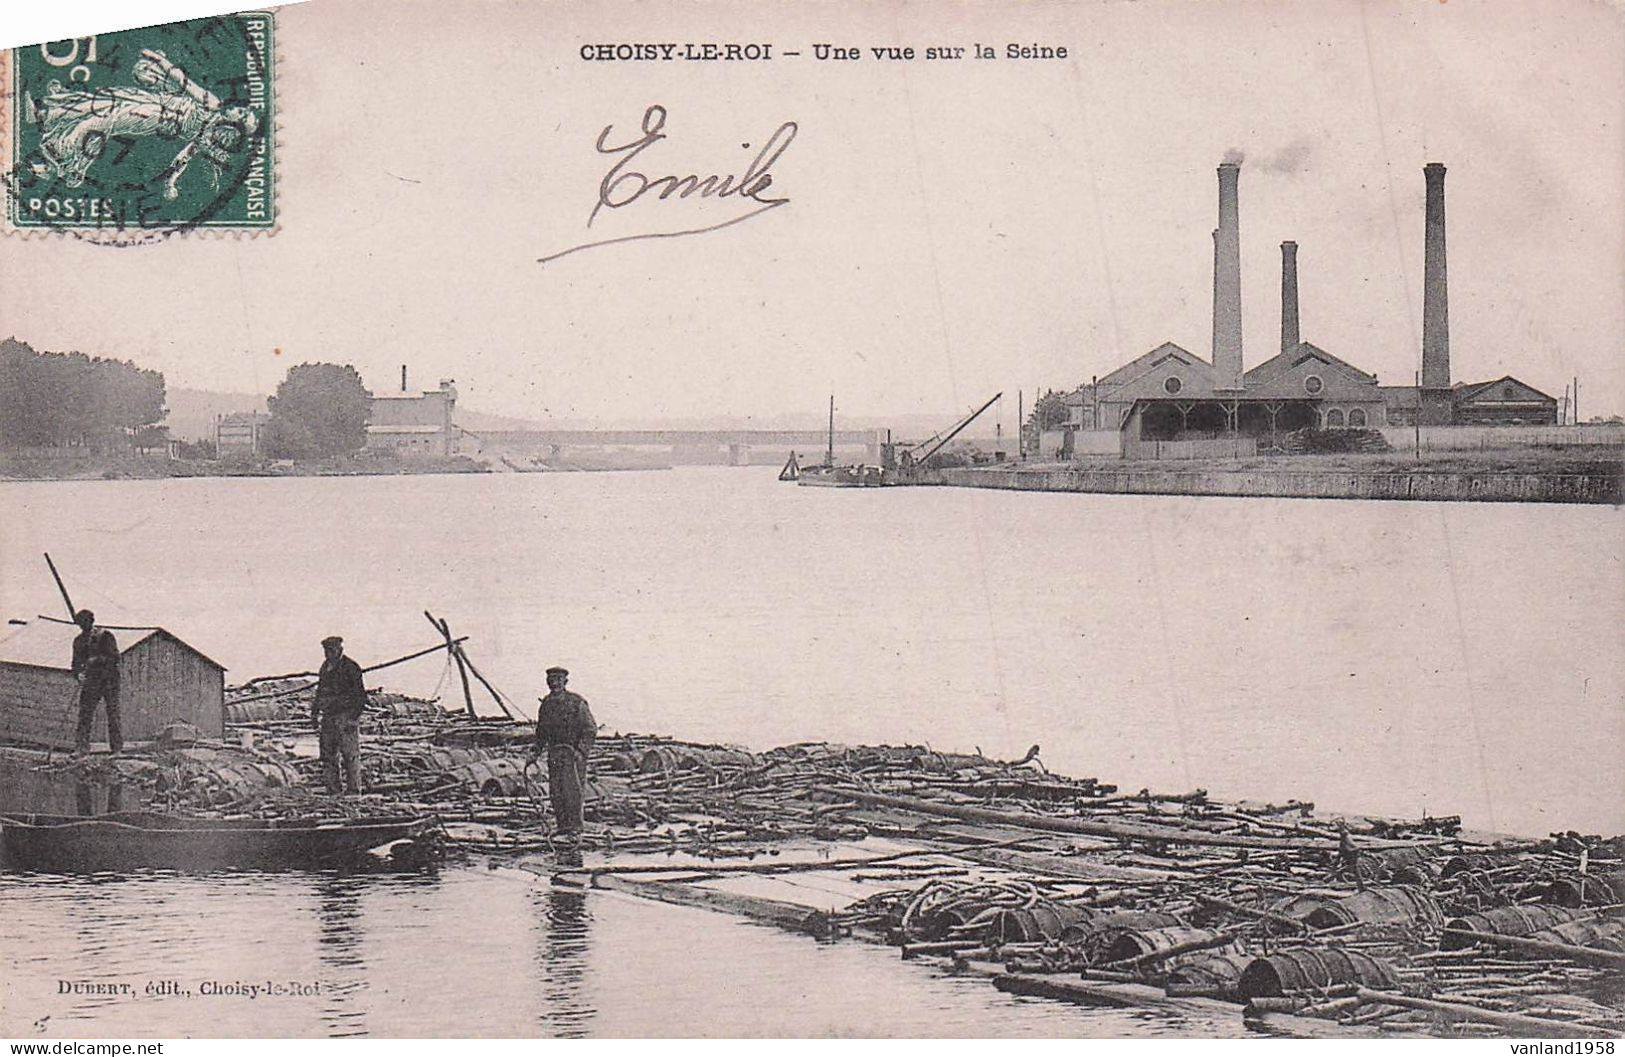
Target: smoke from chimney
x=1233, y=157
x=1227, y=354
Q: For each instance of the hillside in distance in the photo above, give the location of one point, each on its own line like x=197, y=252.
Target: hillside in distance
x=192, y=414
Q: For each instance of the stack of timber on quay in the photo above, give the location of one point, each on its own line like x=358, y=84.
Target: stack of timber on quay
x=1601, y=484
x=1064, y=888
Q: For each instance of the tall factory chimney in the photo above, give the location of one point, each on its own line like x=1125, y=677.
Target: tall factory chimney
x=403, y=377
x=1289, y=296
x=1435, y=404
x=1227, y=282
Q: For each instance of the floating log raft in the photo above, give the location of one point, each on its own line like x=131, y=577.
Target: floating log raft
x=1047, y=885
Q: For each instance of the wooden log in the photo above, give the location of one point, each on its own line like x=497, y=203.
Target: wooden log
x=1335, y=1008
x=792, y=916
x=1277, y=1004
x=1067, y=866
x=1516, y=1022
x=1293, y=1026
x=1106, y=993
x=914, y=950
x=1084, y=826
x=1252, y=912
x=1584, y=955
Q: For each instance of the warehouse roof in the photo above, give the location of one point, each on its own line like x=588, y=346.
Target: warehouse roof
x=48, y=643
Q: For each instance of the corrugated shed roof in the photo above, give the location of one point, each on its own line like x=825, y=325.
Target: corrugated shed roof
x=44, y=643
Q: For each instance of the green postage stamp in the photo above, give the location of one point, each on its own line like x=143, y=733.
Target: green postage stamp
x=137, y=135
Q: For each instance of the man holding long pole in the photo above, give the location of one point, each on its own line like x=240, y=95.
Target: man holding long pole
x=95, y=665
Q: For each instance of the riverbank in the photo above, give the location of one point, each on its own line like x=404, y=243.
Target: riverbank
x=34, y=467
x=102, y=467
x=1531, y=475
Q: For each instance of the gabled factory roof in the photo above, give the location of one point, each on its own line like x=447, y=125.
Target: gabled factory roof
x=1285, y=361
x=1471, y=390
x=1150, y=361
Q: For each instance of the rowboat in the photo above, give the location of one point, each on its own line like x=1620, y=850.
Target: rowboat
x=145, y=840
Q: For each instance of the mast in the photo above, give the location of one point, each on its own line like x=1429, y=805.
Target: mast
x=829, y=453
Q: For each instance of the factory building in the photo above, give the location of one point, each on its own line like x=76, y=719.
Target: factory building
x=414, y=424
x=1172, y=394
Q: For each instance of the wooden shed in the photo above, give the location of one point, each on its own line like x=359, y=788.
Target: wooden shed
x=161, y=680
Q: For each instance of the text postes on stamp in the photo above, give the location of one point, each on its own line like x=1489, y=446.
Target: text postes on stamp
x=130, y=136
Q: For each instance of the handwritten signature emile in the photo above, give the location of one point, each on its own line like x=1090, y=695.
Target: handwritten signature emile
x=623, y=185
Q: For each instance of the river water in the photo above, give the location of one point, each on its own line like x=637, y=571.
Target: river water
x=1385, y=657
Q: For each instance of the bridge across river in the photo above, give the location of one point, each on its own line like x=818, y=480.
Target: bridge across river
x=685, y=445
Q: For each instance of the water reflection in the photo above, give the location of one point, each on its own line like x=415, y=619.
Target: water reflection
x=339, y=945
x=563, y=924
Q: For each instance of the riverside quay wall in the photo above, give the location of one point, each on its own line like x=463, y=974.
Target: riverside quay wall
x=1492, y=487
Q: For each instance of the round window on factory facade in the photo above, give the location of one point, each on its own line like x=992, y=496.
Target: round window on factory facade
x=1313, y=385
x=1172, y=386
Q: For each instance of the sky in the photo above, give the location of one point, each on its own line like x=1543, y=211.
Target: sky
x=953, y=228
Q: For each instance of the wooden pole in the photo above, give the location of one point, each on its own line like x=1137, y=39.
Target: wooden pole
x=414, y=656
x=311, y=675
x=829, y=456
x=60, y=586
x=1252, y=912
x=462, y=671
x=1585, y=955
x=1051, y=824
x=792, y=916
x=495, y=696
x=1418, y=414
x=1511, y=1021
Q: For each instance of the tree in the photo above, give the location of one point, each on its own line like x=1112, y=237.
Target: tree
x=319, y=410
x=54, y=398
x=1049, y=412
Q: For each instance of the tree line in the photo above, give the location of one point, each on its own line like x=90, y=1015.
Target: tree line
x=62, y=399
x=69, y=399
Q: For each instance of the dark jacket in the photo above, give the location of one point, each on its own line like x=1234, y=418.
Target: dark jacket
x=340, y=690
x=95, y=655
x=565, y=719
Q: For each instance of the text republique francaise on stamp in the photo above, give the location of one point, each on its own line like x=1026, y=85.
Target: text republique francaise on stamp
x=135, y=135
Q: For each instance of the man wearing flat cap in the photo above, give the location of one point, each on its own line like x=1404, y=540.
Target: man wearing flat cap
x=566, y=730
x=95, y=665
x=341, y=697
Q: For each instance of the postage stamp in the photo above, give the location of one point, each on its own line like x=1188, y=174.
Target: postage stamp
x=137, y=135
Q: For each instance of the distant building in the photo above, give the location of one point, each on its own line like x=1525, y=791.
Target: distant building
x=1171, y=394
x=161, y=680
x=239, y=433
x=414, y=424
x=1503, y=402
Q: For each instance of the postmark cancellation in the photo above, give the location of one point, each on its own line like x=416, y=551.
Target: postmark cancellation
x=138, y=135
